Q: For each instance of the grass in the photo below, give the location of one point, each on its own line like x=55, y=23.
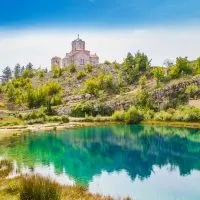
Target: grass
x=5, y=168
x=40, y=188
x=10, y=121
x=34, y=187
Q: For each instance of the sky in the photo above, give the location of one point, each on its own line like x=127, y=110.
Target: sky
x=36, y=30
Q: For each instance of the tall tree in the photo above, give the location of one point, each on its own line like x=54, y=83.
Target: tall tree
x=7, y=73
x=17, y=71
x=29, y=66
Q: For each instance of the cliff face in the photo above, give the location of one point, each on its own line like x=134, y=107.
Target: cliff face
x=169, y=93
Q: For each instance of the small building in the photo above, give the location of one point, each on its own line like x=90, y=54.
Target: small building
x=78, y=56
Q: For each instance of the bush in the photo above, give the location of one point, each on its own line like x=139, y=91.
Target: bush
x=80, y=75
x=163, y=116
x=72, y=68
x=133, y=116
x=40, y=188
x=65, y=119
x=35, y=114
x=10, y=121
x=90, y=109
x=88, y=67
x=118, y=115
x=183, y=114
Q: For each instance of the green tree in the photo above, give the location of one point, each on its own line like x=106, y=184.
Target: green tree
x=29, y=66
x=135, y=65
x=182, y=68
x=7, y=73
x=142, y=62
x=197, y=66
x=10, y=92
x=159, y=74
x=17, y=71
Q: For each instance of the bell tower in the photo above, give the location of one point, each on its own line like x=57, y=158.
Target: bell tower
x=78, y=45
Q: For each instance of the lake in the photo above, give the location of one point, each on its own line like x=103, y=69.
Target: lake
x=139, y=161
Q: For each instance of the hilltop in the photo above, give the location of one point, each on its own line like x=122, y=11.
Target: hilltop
x=105, y=88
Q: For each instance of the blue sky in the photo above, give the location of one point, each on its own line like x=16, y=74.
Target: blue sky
x=36, y=30
x=98, y=13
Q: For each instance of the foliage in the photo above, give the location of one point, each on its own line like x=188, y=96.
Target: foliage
x=90, y=109
x=101, y=82
x=17, y=71
x=27, y=73
x=106, y=62
x=197, y=66
x=143, y=99
x=118, y=115
x=72, y=68
x=10, y=92
x=159, y=74
x=7, y=73
x=57, y=71
x=181, y=68
x=184, y=114
x=40, y=188
x=134, y=65
x=10, y=121
x=80, y=75
x=41, y=73
x=191, y=90
x=88, y=67
x=132, y=116
x=142, y=80
x=48, y=95
x=163, y=116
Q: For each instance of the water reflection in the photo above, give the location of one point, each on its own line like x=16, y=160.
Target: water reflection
x=88, y=153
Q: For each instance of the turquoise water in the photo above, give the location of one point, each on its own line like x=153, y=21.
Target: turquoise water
x=142, y=162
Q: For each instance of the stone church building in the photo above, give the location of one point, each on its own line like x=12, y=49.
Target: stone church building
x=78, y=56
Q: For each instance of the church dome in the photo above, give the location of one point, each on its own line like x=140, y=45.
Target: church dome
x=78, y=44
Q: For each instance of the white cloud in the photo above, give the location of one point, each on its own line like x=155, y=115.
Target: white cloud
x=38, y=46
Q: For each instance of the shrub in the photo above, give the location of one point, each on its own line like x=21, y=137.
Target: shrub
x=163, y=116
x=88, y=67
x=80, y=75
x=65, y=119
x=90, y=109
x=35, y=114
x=133, y=116
x=106, y=62
x=191, y=90
x=72, y=68
x=40, y=188
x=10, y=121
x=118, y=115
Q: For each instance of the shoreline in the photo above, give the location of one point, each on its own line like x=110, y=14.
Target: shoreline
x=5, y=130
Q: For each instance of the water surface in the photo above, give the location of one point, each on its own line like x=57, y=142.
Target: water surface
x=143, y=162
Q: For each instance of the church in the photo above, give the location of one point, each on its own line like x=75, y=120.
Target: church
x=78, y=56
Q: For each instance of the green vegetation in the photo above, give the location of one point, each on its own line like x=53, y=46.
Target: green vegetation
x=132, y=116
x=80, y=75
x=36, y=187
x=72, y=68
x=5, y=168
x=103, y=82
x=101, y=90
x=90, y=109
